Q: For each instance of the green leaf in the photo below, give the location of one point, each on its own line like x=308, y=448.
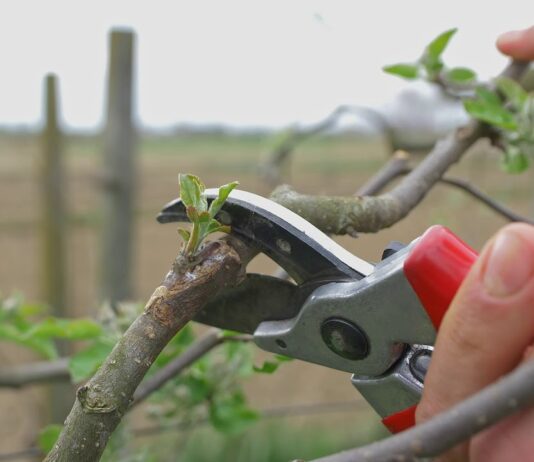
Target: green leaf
x=407, y=71
x=514, y=160
x=48, y=436
x=491, y=114
x=184, y=234
x=76, y=329
x=460, y=75
x=84, y=364
x=224, y=192
x=282, y=358
x=215, y=226
x=192, y=214
x=512, y=91
x=231, y=414
x=43, y=346
x=268, y=367
x=435, y=49
x=488, y=96
x=191, y=189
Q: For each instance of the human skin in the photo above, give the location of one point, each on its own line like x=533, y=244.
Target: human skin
x=489, y=328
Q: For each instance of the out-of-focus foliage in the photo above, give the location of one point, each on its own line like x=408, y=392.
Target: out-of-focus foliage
x=210, y=390
x=29, y=325
x=504, y=104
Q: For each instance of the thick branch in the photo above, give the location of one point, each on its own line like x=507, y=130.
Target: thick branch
x=103, y=401
x=495, y=402
x=398, y=166
x=37, y=372
x=349, y=215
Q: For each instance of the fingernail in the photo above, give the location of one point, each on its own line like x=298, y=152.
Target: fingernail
x=511, y=36
x=508, y=267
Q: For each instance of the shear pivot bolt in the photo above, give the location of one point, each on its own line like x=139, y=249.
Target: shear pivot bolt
x=345, y=338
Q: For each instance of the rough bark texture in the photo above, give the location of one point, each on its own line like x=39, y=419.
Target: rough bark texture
x=103, y=401
x=349, y=215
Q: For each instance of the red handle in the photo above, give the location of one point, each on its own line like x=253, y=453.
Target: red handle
x=435, y=269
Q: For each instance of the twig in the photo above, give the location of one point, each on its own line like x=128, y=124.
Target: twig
x=37, y=372
x=396, y=166
x=270, y=167
x=25, y=454
x=103, y=401
x=485, y=199
x=348, y=215
x=510, y=394
x=198, y=349
x=297, y=410
x=271, y=413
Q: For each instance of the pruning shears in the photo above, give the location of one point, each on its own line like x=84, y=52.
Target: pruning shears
x=378, y=322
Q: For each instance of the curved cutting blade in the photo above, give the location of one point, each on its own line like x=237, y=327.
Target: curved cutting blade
x=305, y=252
x=258, y=298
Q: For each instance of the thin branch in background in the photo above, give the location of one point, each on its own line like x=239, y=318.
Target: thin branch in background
x=298, y=410
x=350, y=215
x=198, y=349
x=25, y=454
x=486, y=200
x=36, y=372
x=512, y=393
x=398, y=166
x=271, y=167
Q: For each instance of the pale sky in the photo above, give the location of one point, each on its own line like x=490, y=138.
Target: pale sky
x=242, y=63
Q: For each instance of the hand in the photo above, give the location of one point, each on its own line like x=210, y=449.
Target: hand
x=487, y=332
x=518, y=44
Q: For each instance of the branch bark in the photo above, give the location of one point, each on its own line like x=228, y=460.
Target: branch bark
x=349, y=215
x=102, y=402
x=399, y=166
x=510, y=394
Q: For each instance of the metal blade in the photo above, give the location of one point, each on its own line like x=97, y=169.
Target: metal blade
x=259, y=298
x=296, y=245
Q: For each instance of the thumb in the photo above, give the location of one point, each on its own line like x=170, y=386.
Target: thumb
x=489, y=324
x=518, y=44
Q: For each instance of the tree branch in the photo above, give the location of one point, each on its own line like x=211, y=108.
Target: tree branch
x=270, y=167
x=349, y=215
x=37, y=372
x=398, y=166
x=103, y=401
x=501, y=399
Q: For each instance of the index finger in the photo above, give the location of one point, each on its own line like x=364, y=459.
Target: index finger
x=518, y=44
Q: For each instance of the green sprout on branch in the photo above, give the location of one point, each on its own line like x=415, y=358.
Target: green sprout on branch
x=201, y=216
x=431, y=67
x=503, y=104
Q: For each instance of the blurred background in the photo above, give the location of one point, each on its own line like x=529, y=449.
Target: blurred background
x=103, y=104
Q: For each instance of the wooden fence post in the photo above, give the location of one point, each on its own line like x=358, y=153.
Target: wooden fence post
x=53, y=233
x=53, y=206
x=119, y=171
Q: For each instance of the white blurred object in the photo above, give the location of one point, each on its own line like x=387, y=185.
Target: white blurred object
x=421, y=114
